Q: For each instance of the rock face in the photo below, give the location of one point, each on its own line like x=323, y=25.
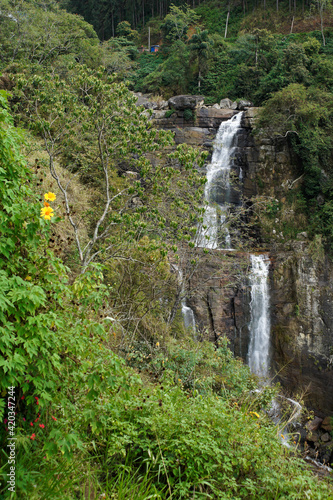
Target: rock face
x=212, y=117
x=302, y=312
x=301, y=276
x=221, y=303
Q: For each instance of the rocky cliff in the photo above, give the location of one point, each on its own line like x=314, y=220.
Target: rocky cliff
x=301, y=280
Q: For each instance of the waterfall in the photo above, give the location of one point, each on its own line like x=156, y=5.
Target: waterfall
x=188, y=316
x=187, y=312
x=260, y=325
x=214, y=233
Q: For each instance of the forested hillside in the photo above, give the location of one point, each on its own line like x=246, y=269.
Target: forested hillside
x=106, y=392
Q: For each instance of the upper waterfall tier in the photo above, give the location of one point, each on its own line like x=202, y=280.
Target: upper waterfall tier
x=214, y=232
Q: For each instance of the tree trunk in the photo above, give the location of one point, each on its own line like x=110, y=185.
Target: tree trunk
x=226, y=25
x=175, y=307
x=292, y=25
x=322, y=23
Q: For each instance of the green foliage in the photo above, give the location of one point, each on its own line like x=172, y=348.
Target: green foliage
x=148, y=63
x=92, y=132
x=177, y=22
x=72, y=362
x=41, y=36
x=194, y=440
x=188, y=115
x=305, y=114
x=119, y=56
x=193, y=426
x=169, y=112
x=124, y=30
x=172, y=76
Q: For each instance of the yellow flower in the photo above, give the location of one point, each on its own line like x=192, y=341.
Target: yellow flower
x=49, y=196
x=255, y=413
x=47, y=213
x=157, y=344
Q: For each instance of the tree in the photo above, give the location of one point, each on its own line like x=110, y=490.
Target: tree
x=199, y=45
x=323, y=5
x=91, y=124
x=177, y=22
x=38, y=35
x=172, y=76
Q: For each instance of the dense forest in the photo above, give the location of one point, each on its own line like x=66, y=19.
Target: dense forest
x=107, y=393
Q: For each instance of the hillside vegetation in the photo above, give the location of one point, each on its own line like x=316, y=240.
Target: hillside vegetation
x=114, y=398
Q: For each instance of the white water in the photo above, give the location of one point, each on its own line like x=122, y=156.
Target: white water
x=214, y=232
x=187, y=312
x=188, y=316
x=260, y=324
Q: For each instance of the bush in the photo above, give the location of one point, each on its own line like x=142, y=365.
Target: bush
x=188, y=115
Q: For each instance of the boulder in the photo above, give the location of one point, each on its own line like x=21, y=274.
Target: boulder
x=163, y=104
x=326, y=437
x=326, y=424
x=145, y=102
x=302, y=236
x=228, y=104
x=312, y=437
x=216, y=106
x=159, y=114
x=243, y=104
x=181, y=102
x=314, y=424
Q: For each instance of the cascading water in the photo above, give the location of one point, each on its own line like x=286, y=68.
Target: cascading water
x=259, y=328
x=286, y=419
x=187, y=312
x=260, y=324
x=214, y=234
x=188, y=316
